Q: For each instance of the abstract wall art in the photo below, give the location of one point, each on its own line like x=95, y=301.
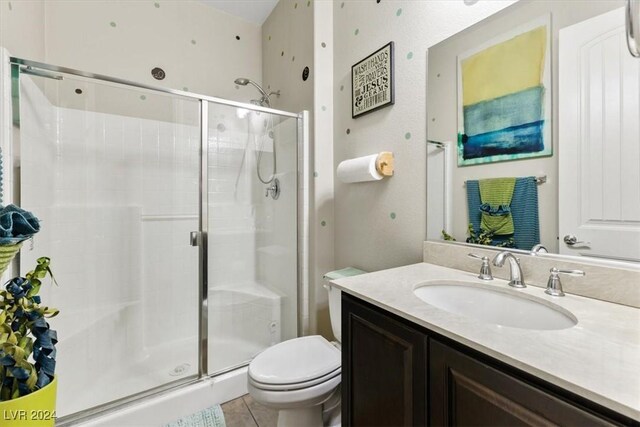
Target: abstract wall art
x=504, y=97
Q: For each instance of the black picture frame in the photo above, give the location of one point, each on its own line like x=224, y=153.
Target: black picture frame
x=391, y=89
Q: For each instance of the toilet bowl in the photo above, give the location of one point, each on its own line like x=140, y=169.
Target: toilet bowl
x=298, y=376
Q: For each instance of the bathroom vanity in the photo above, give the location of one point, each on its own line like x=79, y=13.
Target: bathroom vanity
x=406, y=362
x=528, y=112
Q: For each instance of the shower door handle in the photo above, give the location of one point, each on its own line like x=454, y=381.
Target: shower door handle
x=194, y=238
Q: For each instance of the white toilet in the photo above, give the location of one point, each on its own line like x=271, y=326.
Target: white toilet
x=298, y=376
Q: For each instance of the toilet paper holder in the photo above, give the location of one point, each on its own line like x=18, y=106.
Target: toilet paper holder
x=384, y=163
x=373, y=167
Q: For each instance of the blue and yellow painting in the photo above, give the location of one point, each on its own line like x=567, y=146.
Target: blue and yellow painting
x=504, y=102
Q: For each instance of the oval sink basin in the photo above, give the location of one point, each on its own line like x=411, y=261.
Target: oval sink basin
x=495, y=306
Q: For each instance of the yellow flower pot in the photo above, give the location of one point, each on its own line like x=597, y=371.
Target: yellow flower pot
x=37, y=409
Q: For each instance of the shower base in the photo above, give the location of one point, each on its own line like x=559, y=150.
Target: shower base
x=170, y=406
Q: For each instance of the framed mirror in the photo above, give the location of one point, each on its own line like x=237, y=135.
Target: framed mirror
x=533, y=124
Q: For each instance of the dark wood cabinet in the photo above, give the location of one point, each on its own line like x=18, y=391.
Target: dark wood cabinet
x=396, y=373
x=466, y=392
x=383, y=370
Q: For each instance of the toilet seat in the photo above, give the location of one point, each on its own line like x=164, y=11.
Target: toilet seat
x=295, y=364
x=295, y=386
x=302, y=398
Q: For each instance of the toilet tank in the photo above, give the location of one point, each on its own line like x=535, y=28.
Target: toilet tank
x=335, y=297
x=335, y=311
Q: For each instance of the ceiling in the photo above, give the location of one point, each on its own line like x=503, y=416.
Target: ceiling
x=256, y=11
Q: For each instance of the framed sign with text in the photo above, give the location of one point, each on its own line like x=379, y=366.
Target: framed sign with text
x=372, y=82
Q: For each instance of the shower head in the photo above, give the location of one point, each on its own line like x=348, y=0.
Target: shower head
x=243, y=81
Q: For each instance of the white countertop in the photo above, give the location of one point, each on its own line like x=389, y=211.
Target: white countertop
x=598, y=359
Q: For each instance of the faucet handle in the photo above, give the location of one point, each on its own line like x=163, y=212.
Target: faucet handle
x=554, y=285
x=485, y=269
x=569, y=272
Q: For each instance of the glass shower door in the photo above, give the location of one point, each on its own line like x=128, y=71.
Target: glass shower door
x=252, y=233
x=113, y=173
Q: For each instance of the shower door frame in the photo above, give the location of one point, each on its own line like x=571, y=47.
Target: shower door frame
x=20, y=65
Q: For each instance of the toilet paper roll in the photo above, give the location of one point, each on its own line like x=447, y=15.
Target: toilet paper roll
x=360, y=169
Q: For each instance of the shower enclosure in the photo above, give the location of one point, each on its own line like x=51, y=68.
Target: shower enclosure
x=172, y=264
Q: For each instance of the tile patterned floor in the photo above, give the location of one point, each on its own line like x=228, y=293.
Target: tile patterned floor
x=245, y=412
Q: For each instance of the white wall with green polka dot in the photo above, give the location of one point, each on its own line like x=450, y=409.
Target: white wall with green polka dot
x=287, y=48
x=323, y=184
x=383, y=224
x=298, y=35
x=17, y=19
x=199, y=47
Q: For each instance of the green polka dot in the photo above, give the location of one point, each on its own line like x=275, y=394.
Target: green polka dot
x=324, y=108
x=407, y=135
x=342, y=5
x=356, y=32
x=193, y=41
x=341, y=88
x=10, y=6
x=113, y=24
x=295, y=6
x=392, y=215
x=399, y=12
x=323, y=223
x=293, y=58
x=309, y=3
x=143, y=97
x=409, y=55
x=157, y=5
x=269, y=38
x=315, y=174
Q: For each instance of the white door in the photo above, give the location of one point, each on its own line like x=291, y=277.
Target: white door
x=599, y=147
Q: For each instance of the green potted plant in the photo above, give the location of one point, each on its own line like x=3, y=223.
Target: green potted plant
x=27, y=352
x=482, y=238
x=27, y=343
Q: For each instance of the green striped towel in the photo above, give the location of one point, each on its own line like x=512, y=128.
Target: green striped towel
x=524, y=209
x=210, y=417
x=496, y=197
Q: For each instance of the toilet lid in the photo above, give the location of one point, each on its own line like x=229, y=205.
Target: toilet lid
x=295, y=361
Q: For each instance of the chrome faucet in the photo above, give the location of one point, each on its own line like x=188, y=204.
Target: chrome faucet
x=538, y=249
x=517, y=281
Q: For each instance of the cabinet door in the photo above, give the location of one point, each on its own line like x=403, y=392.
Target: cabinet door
x=466, y=392
x=383, y=369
